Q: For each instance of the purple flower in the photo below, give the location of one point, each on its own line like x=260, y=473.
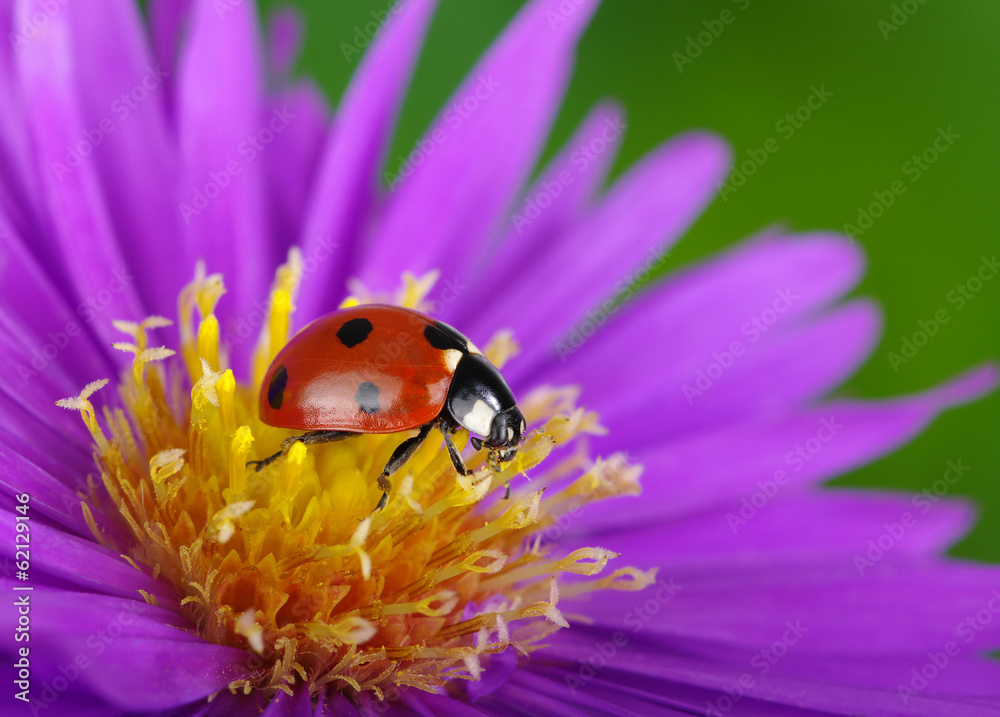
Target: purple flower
x=166, y=579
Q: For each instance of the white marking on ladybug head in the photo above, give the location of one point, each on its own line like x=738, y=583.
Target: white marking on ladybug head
x=472, y=348
x=510, y=434
x=479, y=419
x=451, y=358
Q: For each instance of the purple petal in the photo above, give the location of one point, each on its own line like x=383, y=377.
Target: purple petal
x=346, y=189
x=223, y=210
x=166, y=666
x=726, y=292
x=890, y=608
x=297, y=704
x=549, y=208
x=785, y=370
x=456, y=199
x=660, y=673
x=644, y=213
x=48, y=495
x=692, y=473
x=791, y=526
x=335, y=704
x=22, y=204
x=85, y=563
x=167, y=20
x=30, y=367
x=80, y=223
x=55, y=443
x=514, y=699
x=226, y=704
x=497, y=669
x=284, y=40
x=122, y=92
x=583, y=700
x=444, y=706
x=292, y=163
x=34, y=314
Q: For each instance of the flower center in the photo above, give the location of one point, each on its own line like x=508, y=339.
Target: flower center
x=291, y=563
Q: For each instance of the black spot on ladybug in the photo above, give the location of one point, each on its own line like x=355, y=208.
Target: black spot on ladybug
x=367, y=397
x=443, y=337
x=276, y=389
x=353, y=332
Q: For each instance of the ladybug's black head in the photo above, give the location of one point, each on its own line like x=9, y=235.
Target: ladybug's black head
x=506, y=431
x=480, y=401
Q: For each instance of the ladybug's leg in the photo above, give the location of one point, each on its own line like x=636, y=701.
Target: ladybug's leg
x=306, y=439
x=404, y=452
x=456, y=456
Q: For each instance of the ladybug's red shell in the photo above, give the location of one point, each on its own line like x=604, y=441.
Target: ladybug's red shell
x=366, y=369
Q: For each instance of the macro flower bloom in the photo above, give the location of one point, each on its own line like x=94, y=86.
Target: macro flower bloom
x=173, y=206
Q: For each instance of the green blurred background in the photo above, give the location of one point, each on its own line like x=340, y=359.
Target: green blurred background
x=894, y=85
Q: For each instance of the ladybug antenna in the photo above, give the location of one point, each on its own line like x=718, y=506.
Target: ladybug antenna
x=533, y=431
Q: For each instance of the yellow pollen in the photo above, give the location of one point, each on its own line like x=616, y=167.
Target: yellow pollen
x=292, y=564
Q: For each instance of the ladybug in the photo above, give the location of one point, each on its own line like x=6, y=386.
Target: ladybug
x=384, y=369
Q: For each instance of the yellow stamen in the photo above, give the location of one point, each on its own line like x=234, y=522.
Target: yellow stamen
x=225, y=391
x=239, y=449
x=502, y=348
x=86, y=409
x=286, y=285
x=292, y=563
x=202, y=293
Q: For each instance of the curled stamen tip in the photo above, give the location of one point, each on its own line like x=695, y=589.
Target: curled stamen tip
x=150, y=322
x=155, y=322
x=553, y=615
x=166, y=463
x=79, y=403
x=223, y=519
x=126, y=327
x=126, y=347
x=353, y=630
x=157, y=354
